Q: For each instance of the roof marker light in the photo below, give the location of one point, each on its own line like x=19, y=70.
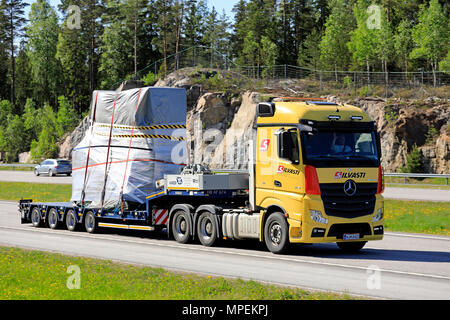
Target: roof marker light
x=334, y=117
x=356, y=118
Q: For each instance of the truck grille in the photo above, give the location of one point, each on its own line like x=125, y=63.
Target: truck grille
x=338, y=204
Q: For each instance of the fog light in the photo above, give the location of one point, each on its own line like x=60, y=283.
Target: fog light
x=379, y=216
x=317, y=217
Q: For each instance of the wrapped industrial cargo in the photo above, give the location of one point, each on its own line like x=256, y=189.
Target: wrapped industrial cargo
x=136, y=136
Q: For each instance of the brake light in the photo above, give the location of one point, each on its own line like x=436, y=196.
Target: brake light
x=380, y=189
x=311, y=181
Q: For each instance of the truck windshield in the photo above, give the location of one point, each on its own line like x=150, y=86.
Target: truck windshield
x=340, y=148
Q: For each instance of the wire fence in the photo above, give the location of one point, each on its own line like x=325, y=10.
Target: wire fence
x=205, y=57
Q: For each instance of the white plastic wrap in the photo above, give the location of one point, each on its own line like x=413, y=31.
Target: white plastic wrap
x=153, y=152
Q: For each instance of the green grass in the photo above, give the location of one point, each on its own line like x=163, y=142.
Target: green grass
x=38, y=192
x=417, y=217
x=35, y=275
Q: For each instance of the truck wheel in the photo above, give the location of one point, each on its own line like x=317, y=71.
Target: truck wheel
x=351, y=247
x=181, y=228
x=206, y=229
x=276, y=233
x=36, y=219
x=52, y=219
x=71, y=221
x=90, y=223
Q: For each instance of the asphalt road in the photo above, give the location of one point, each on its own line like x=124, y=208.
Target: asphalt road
x=29, y=176
x=390, y=193
x=402, y=266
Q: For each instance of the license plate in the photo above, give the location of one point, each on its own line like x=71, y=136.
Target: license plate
x=351, y=236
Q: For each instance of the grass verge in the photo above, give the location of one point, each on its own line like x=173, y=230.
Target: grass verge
x=38, y=192
x=32, y=275
x=417, y=216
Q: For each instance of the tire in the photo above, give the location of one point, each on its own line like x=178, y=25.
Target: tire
x=276, y=233
x=36, y=172
x=351, y=247
x=181, y=227
x=52, y=219
x=206, y=229
x=50, y=173
x=90, y=223
x=36, y=219
x=71, y=220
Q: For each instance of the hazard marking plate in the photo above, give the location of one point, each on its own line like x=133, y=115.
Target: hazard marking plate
x=351, y=236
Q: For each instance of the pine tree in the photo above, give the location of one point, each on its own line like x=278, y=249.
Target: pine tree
x=14, y=29
x=24, y=85
x=4, y=86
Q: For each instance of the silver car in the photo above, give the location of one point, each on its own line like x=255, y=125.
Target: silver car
x=53, y=167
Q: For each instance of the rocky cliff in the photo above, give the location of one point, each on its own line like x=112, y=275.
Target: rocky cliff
x=221, y=125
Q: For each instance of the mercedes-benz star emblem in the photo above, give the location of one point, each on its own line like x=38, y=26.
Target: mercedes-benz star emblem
x=350, y=188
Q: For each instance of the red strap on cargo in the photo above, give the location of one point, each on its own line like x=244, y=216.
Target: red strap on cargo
x=128, y=155
x=89, y=151
x=107, y=153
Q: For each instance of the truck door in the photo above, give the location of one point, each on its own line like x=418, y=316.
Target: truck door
x=287, y=171
x=265, y=163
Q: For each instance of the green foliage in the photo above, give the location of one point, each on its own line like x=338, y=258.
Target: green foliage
x=444, y=65
x=431, y=34
x=150, y=79
x=414, y=161
x=431, y=135
x=362, y=42
x=66, y=118
x=42, y=34
x=334, y=52
x=11, y=138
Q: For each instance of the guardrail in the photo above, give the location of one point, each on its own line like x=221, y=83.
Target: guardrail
x=405, y=176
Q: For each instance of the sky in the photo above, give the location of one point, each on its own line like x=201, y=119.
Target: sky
x=220, y=5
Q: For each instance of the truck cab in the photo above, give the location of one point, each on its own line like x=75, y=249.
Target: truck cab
x=318, y=174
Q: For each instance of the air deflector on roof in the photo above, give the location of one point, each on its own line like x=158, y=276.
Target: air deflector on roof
x=322, y=103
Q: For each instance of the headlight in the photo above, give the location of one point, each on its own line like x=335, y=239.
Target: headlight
x=317, y=216
x=379, y=216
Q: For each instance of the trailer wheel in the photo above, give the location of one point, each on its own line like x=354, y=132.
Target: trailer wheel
x=206, y=229
x=181, y=227
x=71, y=220
x=276, y=233
x=52, y=219
x=36, y=219
x=90, y=223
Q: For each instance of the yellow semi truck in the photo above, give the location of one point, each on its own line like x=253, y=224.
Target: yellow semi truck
x=314, y=176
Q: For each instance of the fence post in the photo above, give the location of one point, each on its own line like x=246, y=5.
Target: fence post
x=285, y=71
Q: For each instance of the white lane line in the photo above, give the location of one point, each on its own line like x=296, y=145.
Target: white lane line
x=210, y=250
x=417, y=236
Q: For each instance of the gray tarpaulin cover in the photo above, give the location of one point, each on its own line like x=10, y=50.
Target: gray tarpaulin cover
x=144, y=144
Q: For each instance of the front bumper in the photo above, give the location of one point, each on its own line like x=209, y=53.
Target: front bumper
x=335, y=230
